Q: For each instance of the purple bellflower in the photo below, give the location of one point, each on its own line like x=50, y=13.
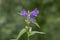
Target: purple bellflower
x=34, y=12
x=30, y=16
x=24, y=13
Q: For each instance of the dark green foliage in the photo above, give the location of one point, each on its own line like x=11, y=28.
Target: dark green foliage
x=48, y=19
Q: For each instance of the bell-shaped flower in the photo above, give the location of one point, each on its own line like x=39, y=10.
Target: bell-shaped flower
x=30, y=16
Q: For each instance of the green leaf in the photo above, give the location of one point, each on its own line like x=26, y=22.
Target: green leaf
x=21, y=33
x=37, y=24
x=13, y=39
x=36, y=32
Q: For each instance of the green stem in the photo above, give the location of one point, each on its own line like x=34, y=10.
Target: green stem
x=27, y=27
x=27, y=32
x=28, y=35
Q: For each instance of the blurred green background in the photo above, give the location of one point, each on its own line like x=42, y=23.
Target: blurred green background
x=11, y=22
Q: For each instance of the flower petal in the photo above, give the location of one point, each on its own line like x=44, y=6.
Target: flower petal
x=32, y=20
x=34, y=12
x=24, y=13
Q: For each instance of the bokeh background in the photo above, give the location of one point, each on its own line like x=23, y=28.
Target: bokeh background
x=48, y=19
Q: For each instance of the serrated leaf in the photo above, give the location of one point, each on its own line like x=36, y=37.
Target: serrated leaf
x=37, y=24
x=21, y=33
x=36, y=32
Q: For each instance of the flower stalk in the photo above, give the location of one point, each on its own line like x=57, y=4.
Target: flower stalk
x=29, y=19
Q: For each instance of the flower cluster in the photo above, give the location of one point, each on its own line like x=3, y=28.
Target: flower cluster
x=30, y=15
